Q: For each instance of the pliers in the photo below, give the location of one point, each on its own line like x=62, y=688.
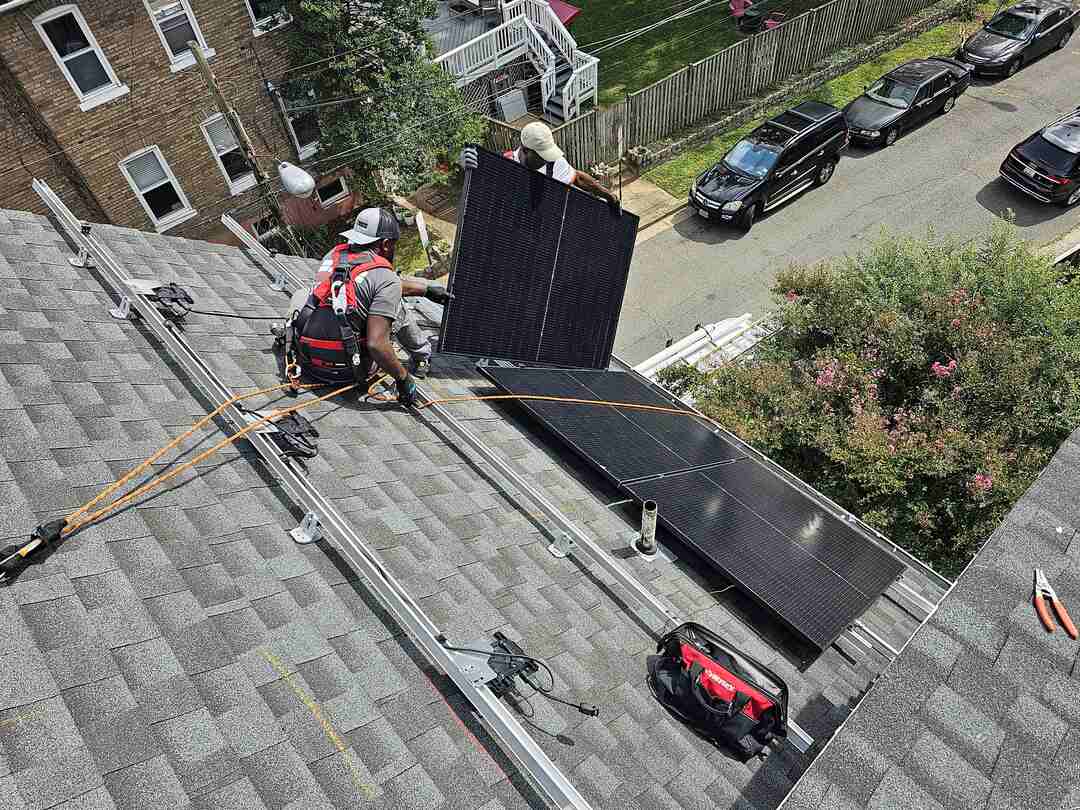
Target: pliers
x=1043, y=594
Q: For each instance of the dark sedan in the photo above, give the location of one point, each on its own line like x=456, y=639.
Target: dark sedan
x=1046, y=165
x=906, y=97
x=1019, y=35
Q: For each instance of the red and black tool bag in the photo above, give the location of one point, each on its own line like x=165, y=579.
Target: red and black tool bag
x=723, y=694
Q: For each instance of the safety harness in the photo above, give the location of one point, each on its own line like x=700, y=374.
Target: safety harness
x=724, y=695
x=324, y=337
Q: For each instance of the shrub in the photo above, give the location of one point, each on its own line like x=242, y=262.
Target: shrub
x=923, y=385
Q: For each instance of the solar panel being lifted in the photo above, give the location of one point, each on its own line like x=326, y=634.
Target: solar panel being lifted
x=539, y=269
x=782, y=547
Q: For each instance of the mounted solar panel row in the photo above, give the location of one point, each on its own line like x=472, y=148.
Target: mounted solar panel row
x=810, y=568
x=624, y=445
x=539, y=270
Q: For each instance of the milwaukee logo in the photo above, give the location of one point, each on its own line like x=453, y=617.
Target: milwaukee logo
x=712, y=676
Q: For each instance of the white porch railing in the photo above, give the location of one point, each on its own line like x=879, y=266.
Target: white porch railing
x=581, y=85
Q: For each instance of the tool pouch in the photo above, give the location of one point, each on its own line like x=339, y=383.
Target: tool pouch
x=722, y=694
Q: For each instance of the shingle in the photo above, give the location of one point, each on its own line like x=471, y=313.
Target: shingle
x=114, y=610
x=24, y=678
x=157, y=680
x=239, y=795
x=965, y=727
x=1030, y=775
x=63, y=775
x=198, y=753
x=280, y=777
x=148, y=785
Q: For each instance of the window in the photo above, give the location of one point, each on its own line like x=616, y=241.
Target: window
x=176, y=26
x=304, y=126
x=267, y=15
x=332, y=192
x=81, y=59
x=156, y=187
x=227, y=153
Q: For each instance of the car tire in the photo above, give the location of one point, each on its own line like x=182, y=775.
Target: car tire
x=1072, y=199
x=950, y=102
x=1014, y=66
x=890, y=137
x=745, y=222
x=1064, y=39
x=825, y=173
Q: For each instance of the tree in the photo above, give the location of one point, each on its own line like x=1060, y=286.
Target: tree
x=383, y=104
x=923, y=385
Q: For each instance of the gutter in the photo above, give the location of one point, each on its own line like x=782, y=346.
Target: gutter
x=11, y=5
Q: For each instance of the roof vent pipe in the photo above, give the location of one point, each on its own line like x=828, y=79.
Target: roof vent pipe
x=646, y=543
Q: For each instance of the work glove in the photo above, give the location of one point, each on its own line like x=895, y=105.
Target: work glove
x=407, y=394
x=470, y=158
x=437, y=293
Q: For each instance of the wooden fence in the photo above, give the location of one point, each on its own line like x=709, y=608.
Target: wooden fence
x=717, y=82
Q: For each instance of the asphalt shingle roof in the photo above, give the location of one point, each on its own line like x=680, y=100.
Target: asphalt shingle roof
x=187, y=653
x=982, y=710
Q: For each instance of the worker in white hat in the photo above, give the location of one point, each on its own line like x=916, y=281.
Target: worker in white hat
x=539, y=151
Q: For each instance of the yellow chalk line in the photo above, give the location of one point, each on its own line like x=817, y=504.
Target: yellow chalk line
x=367, y=791
x=21, y=718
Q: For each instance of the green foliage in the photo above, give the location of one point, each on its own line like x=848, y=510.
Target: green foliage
x=923, y=385
x=403, y=113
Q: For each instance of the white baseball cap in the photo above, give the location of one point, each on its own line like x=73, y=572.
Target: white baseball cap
x=371, y=225
x=537, y=136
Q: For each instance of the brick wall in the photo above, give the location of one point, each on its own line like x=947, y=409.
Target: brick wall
x=163, y=108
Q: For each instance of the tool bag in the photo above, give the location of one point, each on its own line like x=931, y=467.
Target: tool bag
x=724, y=695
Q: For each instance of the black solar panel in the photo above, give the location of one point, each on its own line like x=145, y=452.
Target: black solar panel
x=540, y=270
x=784, y=549
x=623, y=444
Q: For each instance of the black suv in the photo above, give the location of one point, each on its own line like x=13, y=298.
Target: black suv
x=906, y=97
x=784, y=156
x=1019, y=35
x=1046, y=165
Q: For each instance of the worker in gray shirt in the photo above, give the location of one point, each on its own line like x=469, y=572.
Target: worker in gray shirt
x=340, y=329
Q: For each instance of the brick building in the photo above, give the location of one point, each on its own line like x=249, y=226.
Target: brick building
x=101, y=98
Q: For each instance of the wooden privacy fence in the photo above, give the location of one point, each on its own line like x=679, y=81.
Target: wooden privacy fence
x=717, y=82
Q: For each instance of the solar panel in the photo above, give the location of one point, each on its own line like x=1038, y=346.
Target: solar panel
x=813, y=570
x=539, y=272
x=622, y=444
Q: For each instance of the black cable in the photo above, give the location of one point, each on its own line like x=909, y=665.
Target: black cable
x=238, y=317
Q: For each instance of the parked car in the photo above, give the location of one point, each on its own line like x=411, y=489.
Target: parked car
x=906, y=97
x=777, y=161
x=1046, y=165
x=1018, y=36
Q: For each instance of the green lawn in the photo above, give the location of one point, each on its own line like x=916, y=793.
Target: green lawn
x=662, y=51
x=676, y=175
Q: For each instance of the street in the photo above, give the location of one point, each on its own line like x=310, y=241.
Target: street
x=944, y=174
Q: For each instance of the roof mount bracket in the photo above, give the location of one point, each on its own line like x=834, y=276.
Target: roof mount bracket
x=84, y=259
x=476, y=668
x=122, y=310
x=309, y=530
x=563, y=546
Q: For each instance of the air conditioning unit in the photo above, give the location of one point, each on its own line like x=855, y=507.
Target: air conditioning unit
x=512, y=105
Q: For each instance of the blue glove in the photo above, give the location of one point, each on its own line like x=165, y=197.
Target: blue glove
x=407, y=394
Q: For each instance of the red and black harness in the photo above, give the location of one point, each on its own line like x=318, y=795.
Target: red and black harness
x=327, y=335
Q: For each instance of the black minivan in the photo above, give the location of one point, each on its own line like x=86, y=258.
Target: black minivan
x=773, y=164
x=1046, y=165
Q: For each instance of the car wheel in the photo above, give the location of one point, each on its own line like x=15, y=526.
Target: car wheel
x=1014, y=66
x=1073, y=198
x=891, y=136
x=1064, y=39
x=746, y=221
x=950, y=102
x=825, y=173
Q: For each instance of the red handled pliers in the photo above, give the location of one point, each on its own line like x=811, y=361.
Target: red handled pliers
x=1043, y=594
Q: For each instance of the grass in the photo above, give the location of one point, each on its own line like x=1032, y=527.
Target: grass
x=676, y=175
x=410, y=257
x=663, y=51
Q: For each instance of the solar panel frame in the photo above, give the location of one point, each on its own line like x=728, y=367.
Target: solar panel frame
x=539, y=270
x=828, y=573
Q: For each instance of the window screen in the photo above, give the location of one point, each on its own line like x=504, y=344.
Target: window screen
x=146, y=171
x=76, y=53
x=175, y=25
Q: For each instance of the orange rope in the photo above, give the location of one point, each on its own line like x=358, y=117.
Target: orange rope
x=134, y=471
x=135, y=493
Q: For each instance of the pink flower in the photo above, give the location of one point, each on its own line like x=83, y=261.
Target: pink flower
x=878, y=373
x=982, y=482
x=791, y=296
x=940, y=371
x=871, y=392
x=827, y=376
x=956, y=323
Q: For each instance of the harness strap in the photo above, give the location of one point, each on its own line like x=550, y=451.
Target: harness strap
x=349, y=339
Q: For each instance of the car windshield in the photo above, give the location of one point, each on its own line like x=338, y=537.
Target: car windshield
x=754, y=159
x=891, y=92
x=1010, y=25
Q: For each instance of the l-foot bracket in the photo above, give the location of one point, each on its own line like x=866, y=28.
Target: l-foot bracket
x=309, y=530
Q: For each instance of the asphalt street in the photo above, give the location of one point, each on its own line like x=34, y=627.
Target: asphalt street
x=942, y=175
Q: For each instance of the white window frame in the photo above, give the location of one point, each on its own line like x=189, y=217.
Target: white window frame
x=186, y=59
x=303, y=150
x=176, y=217
x=337, y=197
x=87, y=101
x=246, y=181
x=261, y=27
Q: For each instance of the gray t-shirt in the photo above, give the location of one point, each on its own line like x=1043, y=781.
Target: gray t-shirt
x=378, y=291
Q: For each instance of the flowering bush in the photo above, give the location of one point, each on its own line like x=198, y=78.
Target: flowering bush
x=922, y=385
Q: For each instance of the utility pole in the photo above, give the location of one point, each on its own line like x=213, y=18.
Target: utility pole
x=246, y=147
